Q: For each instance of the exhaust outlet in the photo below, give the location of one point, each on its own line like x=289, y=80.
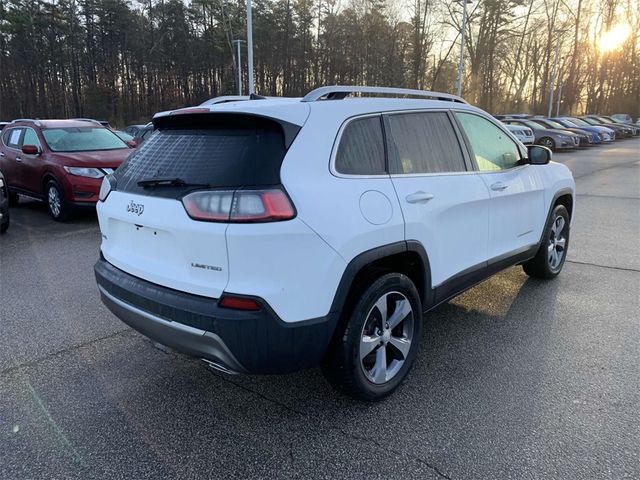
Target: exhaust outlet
x=218, y=367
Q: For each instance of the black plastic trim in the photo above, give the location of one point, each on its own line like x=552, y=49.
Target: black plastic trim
x=260, y=341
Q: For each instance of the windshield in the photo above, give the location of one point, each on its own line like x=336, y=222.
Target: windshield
x=248, y=155
x=578, y=122
x=604, y=120
x=80, y=139
x=554, y=124
x=592, y=121
x=530, y=124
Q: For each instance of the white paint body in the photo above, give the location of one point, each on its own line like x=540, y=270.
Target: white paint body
x=296, y=266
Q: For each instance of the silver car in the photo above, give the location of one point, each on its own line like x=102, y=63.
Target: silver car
x=547, y=137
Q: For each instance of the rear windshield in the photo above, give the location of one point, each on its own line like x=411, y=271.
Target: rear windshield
x=217, y=157
x=82, y=139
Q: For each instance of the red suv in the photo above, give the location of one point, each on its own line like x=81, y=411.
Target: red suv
x=59, y=161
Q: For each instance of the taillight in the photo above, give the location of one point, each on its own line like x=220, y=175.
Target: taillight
x=239, y=303
x=239, y=206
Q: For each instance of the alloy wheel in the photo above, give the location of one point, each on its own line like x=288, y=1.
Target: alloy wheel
x=386, y=337
x=557, y=243
x=547, y=142
x=55, y=203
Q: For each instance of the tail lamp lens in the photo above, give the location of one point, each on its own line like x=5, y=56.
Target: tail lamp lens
x=239, y=206
x=239, y=303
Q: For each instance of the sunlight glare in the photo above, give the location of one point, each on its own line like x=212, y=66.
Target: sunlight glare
x=614, y=38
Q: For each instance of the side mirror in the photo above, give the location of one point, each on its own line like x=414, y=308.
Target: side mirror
x=30, y=150
x=132, y=144
x=539, y=155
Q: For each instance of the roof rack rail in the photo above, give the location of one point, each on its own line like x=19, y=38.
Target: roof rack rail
x=34, y=121
x=338, y=92
x=232, y=98
x=225, y=99
x=103, y=123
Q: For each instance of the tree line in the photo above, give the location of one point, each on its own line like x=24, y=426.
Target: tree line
x=123, y=60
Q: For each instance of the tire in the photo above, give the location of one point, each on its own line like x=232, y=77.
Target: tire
x=56, y=203
x=552, y=253
x=14, y=199
x=548, y=142
x=391, y=349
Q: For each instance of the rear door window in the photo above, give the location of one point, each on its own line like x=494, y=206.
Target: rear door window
x=215, y=157
x=423, y=142
x=11, y=137
x=361, y=149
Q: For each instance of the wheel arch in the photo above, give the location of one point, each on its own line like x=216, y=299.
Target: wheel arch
x=406, y=257
x=46, y=178
x=564, y=197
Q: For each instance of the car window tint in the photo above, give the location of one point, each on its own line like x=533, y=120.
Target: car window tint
x=30, y=137
x=424, y=142
x=361, y=149
x=493, y=149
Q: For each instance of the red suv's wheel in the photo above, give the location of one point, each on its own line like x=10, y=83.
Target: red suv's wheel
x=58, y=207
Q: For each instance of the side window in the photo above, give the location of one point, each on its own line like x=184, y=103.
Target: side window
x=30, y=137
x=492, y=148
x=424, y=142
x=361, y=149
x=11, y=137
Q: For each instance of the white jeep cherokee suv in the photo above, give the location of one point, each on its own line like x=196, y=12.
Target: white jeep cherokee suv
x=271, y=235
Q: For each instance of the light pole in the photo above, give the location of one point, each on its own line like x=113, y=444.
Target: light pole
x=237, y=43
x=249, y=48
x=555, y=72
x=462, y=30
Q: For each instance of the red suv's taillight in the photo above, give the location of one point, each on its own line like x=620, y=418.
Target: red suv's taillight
x=238, y=206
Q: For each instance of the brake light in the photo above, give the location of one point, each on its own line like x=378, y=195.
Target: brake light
x=239, y=303
x=239, y=206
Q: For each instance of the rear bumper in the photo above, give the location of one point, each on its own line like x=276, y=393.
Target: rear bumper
x=237, y=341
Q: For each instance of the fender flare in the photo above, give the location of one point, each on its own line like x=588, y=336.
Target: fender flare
x=368, y=257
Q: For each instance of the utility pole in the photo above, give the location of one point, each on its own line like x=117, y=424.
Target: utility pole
x=250, y=48
x=238, y=42
x=462, y=30
x=555, y=72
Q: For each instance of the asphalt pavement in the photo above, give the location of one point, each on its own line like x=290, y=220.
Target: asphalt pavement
x=516, y=378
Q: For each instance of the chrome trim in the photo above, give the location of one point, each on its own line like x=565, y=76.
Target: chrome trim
x=183, y=338
x=336, y=143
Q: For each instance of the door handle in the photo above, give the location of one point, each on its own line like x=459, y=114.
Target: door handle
x=18, y=159
x=499, y=186
x=1, y=154
x=419, y=197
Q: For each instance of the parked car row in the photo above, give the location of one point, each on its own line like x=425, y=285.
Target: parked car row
x=559, y=133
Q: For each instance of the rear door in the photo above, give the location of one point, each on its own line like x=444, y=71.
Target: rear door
x=9, y=155
x=445, y=205
x=146, y=230
x=517, y=213
x=30, y=166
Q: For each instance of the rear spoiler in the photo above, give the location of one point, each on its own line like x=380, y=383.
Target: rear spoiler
x=198, y=117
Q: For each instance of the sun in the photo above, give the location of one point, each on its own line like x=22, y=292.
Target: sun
x=614, y=38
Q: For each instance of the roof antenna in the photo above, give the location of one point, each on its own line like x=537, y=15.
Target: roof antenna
x=253, y=96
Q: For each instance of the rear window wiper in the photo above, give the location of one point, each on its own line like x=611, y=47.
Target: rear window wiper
x=170, y=182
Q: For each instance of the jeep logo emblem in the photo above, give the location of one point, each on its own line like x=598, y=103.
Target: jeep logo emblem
x=136, y=208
